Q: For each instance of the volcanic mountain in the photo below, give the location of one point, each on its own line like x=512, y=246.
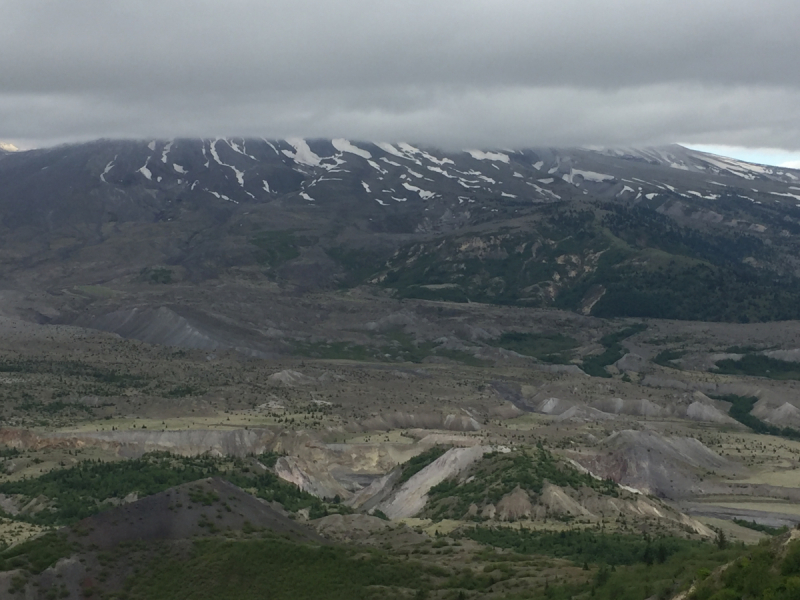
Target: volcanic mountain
x=182, y=240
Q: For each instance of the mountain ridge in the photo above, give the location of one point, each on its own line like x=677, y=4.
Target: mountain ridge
x=661, y=232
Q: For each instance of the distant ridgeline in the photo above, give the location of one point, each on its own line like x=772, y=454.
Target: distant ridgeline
x=659, y=232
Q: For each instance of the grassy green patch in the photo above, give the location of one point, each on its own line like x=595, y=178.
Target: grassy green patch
x=397, y=346
x=335, y=351
x=631, y=567
x=37, y=554
x=274, y=248
x=278, y=569
x=582, y=546
x=758, y=365
x=665, y=358
x=75, y=377
x=419, y=462
x=160, y=275
x=498, y=474
x=83, y=490
x=181, y=391
x=762, y=573
x=596, y=365
x=762, y=528
x=665, y=580
x=740, y=410
x=551, y=348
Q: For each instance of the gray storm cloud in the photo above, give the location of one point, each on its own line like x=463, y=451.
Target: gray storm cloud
x=467, y=73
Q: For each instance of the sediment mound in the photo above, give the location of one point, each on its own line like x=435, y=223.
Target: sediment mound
x=514, y=506
x=345, y=528
x=669, y=467
x=631, y=363
x=291, y=378
x=707, y=413
x=329, y=470
x=585, y=414
x=411, y=497
x=637, y=408
x=184, y=512
x=402, y=420
x=784, y=415
x=155, y=326
x=553, y=406
x=558, y=503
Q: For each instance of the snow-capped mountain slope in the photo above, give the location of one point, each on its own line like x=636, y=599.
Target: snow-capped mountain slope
x=536, y=227
x=244, y=171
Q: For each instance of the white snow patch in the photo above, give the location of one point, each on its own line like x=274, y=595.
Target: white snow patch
x=381, y=202
x=399, y=199
x=496, y=156
x=221, y=196
x=146, y=172
x=240, y=149
x=390, y=162
x=425, y=195
x=506, y=195
x=406, y=151
x=152, y=146
x=409, y=149
x=441, y=172
x=239, y=174
x=266, y=185
x=651, y=195
x=179, y=169
x=377, y=167
x=302, y=155
x=415, y=174
x=306, y=197
x=547, y=180
x=587, y=176
x=164, y=153
x=109, y=166
x=520, y=175
x=627, y=189
x=268, y=143
x=426, y=155
x=391, y=150
x=343, y=145
x=544, y=192
x=795, y=196
x=538, y=166
x=467, y=185
x=366, y=186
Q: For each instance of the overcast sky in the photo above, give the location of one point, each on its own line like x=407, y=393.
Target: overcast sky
x=466, y=73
